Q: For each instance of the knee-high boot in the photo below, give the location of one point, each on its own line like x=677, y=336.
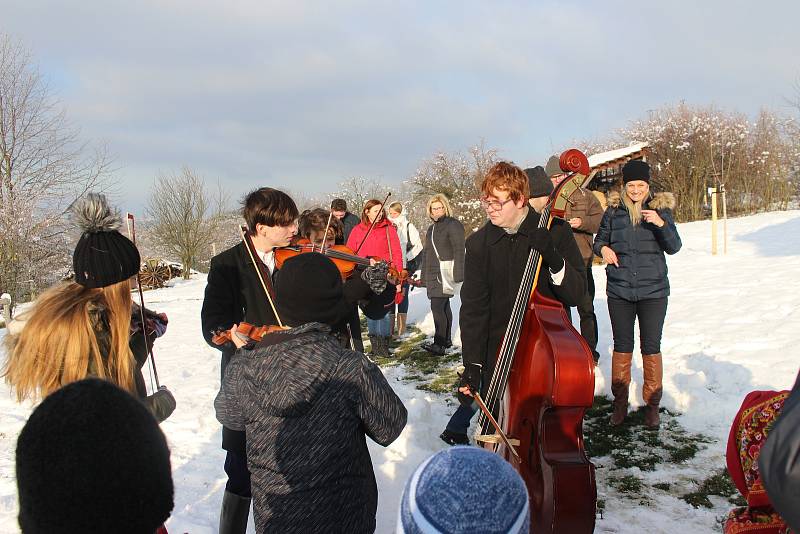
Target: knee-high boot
x=620, y=383
x=233, y=517
x=653, y=387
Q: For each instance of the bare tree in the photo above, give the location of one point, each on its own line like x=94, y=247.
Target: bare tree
x=44, y=168
x=186, y=218
x=457, y=177
x=356, y=191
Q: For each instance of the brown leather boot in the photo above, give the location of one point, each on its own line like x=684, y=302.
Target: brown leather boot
x=620, y=381
x=652, y=389
x=401, y=323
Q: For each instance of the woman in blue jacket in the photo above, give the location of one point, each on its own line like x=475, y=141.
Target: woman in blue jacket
x=636, y=230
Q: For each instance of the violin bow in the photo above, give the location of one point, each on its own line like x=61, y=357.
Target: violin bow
x=247, y=244
x=372, y=225
x=510, y=443
x=325, y=234
x=131, y=225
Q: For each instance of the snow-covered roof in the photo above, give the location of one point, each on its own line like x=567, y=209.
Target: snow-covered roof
x=602, y=158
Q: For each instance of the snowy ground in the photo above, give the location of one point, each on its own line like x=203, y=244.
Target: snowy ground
x=729, y=330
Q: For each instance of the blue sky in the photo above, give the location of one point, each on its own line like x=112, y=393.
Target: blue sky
x=302, y=95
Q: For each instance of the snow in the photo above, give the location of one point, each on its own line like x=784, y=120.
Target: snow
x=730, y=329
x=611, y=155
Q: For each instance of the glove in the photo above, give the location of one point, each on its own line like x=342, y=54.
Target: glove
x=375, y=277
x=161, y=404
x=542, y=241
x=470, y=378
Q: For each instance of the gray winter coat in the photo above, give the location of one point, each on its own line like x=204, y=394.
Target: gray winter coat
x=448, y=234
x=306, y=404
x=642, y=271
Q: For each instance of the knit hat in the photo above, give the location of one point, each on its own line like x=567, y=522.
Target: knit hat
x=464, y=490
x=553, y=166
x=103, y=256
x=91, y=458
x=540, y=184
x=308, y=288
x=635, y=169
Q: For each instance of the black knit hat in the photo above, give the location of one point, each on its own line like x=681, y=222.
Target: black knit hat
x=103, y=256
x=91, y=458
x=539, y=183
x=308, y=288
x=635, y=169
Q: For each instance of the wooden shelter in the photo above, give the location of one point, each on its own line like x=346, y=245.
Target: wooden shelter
x=609, y=165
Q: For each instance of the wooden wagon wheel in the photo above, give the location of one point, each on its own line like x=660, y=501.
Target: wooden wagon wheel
x=154, y=273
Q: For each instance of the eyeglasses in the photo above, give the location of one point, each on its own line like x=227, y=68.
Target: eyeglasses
x=494, y=205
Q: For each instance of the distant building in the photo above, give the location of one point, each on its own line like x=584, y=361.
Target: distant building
x=609, y=165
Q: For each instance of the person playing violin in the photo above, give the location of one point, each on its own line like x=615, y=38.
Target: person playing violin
x=495, y=260
x=86, y=327
x=234, y=294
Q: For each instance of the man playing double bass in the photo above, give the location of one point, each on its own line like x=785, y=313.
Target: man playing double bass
x=495, y=260
x=234, y=294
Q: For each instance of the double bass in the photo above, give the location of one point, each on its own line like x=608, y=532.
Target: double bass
x=542, y=384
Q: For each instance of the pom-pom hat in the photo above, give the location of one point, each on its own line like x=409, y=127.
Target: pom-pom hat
x=103, y=256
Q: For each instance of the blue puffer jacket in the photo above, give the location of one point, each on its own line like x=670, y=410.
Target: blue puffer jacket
x=642, y=271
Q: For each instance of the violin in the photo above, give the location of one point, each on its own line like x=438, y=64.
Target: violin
x=341, y=256
x=246, y=332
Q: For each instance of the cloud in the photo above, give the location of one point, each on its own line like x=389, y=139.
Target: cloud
x=305, y=94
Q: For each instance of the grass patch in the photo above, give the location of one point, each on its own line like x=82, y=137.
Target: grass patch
x=720, y=484
x=627, y=484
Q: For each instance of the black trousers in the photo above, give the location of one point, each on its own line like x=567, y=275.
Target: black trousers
x=651, y=314
x=238, y=474
x=442, y=320
x=586, y=313
x=355, y=331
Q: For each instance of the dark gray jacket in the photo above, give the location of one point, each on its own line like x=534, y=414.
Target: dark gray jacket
x=779, y=460
x=306, y=404
x=448, y=234
x=642, y=271
x=349, y=221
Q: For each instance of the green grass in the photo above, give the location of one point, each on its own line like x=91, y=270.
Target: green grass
x=720, y=484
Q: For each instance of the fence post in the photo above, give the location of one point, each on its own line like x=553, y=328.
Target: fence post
x=713, y=192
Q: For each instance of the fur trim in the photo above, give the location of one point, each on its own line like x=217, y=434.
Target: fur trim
x=659, y=201
x=93, y=214
x=662, y=201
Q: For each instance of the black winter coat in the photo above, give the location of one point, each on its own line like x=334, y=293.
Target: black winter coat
x=779, y=460
x=233, y=294
x=495, y=261
x=642, y=271
x=448, y=234
x=306, y=405
x=349, y=221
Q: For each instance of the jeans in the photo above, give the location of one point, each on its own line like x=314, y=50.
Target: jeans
x=459, y=421
x=379, y=327
x=651, y=314
x=403, y=306
x=442, y=320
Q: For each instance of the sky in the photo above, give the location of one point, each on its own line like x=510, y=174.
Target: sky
x=303, y=95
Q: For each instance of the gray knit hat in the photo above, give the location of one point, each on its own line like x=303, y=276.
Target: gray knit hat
x=553, y=166
x=464, y=490
x=538, y=182
x=103, y=256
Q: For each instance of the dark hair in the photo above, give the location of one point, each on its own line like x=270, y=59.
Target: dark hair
x=338, y=204
x=371, y=203
x=316, y=220
x=268, y=206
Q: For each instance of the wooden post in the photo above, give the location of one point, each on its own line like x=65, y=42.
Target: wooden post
x=724, y=221
x=213, y=249
x=713, y=192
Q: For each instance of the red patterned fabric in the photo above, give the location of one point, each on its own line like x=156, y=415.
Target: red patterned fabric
x=749, y=431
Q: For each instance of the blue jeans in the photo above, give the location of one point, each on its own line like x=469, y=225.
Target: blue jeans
x=459, y=422
x=379, y=327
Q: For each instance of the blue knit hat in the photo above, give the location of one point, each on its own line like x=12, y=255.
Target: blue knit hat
x=464, y=490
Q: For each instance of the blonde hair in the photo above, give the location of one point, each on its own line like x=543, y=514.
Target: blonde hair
x=59, y=342
x=438, y=197
x=634, y=208
x=396, y=206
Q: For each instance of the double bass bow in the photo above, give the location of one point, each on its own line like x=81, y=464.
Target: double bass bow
x=542, y=384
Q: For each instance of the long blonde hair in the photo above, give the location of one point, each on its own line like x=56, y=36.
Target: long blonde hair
x=59, y=342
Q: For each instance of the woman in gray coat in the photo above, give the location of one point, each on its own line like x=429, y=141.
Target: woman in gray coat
x=444, y=242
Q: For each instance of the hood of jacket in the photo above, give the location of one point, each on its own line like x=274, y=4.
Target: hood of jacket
x=659, y=201
x=289, y=371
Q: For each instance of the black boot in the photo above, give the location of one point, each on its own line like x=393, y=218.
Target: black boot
x=454, y=438
x=233, y=517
